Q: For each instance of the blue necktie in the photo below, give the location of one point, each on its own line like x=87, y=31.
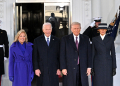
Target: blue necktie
x=48, y=41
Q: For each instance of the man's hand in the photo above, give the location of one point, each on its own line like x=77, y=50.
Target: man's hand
x=88, y=71
x=64, y=71
x=37, y=72
x=58, y=72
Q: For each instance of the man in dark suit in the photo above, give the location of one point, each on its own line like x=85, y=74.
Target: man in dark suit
x=75, y=57
x=3, y=53
x=46, y=58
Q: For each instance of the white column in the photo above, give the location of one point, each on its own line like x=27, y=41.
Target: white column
x=4, y=27
x=77, y=11
x=117, y=4
x=116, y=80
x=7, y=25
x=96, y=8
x=86, y=17
x=107, y=11
x=117, y=43
x=81, y=12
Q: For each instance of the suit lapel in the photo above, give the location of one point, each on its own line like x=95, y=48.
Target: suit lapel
x=81, y=41
x=27, y=50
x=72, y=42
x=44, y=43
x=51, y=41
x=106, y=39
x=99, y=39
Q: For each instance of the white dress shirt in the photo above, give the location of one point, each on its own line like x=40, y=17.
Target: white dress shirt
x=47, y=37
x=102, y=37
x=75, y=38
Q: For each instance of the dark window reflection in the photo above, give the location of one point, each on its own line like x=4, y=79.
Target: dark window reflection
x=32, y=19
x=59, y=18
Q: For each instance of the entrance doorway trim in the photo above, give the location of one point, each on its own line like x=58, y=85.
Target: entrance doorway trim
x=42, y=1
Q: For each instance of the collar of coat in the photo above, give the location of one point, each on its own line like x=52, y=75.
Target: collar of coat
x=27, y=44
x=104, y=41
x=16, y=49
x=52, y=40
x=81, y=41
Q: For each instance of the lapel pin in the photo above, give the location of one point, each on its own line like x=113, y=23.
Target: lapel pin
x=53, y=39
x=1, y=32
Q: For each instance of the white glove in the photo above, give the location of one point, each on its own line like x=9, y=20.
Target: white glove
x=90, y=42
x=5, y=58
x=92, y=24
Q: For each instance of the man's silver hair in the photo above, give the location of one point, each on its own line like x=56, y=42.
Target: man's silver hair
x=47, y=23
x=76, y=23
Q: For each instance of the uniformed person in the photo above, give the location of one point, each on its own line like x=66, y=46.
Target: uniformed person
x=53, y=20
x=91, y=31
x=3, y=51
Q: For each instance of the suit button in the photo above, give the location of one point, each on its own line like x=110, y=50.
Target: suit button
x=76, y=51
x=23, y=58
x=74, y=59
x=73, y=68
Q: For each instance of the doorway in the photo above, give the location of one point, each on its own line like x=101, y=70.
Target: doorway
x=31, y=16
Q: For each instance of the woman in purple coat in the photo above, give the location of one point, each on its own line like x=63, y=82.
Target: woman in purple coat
x=20, y=61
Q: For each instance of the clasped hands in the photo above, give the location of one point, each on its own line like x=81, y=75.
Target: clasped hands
x=38, y=72
x=64, y=71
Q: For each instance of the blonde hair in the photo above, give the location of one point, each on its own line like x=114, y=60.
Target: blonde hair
x=18, y=34
x=75, y=23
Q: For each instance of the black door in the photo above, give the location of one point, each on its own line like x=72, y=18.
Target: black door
x=32, y=19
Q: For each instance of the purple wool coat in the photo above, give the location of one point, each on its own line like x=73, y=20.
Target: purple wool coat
x=20, y=66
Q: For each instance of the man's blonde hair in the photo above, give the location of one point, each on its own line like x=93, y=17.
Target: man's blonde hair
x=18, y=34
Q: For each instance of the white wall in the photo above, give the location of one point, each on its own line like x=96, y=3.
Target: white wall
x=82, y=11
x=117, y=48
x=7, y=25
x=117, y=44
x=108, y=10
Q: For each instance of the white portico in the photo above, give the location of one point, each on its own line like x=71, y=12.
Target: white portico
x=81, y=11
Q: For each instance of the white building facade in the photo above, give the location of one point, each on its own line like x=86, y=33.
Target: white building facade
x=81, y=11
